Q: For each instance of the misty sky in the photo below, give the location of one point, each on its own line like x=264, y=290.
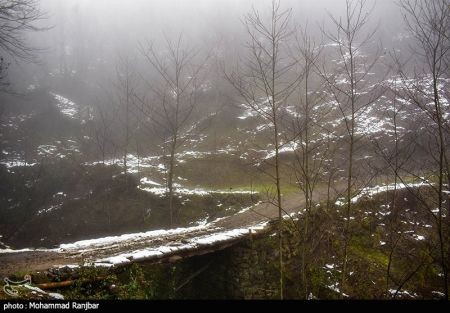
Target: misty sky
x=91, y=33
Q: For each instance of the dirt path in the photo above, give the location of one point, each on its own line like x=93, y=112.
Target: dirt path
x=266, y=211
x=33, y=261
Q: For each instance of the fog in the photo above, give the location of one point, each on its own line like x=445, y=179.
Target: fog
x=85, y=36
x=157, y=130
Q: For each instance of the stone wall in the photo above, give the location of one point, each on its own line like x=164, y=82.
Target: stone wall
x=247, y=270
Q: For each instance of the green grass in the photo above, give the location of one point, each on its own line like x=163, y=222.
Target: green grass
x=263, y=188
x=362, y=248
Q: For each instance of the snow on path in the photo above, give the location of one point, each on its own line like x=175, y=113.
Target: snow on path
x=92, y=244
x=4, y=251
x=185, y=245
x=179, y=190
x=115, y=250
x=372, y=191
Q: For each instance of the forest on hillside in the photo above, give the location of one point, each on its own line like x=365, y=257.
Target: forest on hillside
x=224, y=149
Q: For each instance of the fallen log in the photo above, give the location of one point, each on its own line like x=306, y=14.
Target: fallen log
x=56, y=285
x=68, y=283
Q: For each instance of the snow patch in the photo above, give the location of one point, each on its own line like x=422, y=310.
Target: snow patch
x=192, y=243
x=402, y=293
x=372, y=191
x=17, y=163
x=162, y=191
x=147, y=181
x=66, y=106
x=53, y=295
x=112, y=240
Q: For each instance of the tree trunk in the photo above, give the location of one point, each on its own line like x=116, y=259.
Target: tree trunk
x=442, y=243
x=170, y=178
x=350, y=175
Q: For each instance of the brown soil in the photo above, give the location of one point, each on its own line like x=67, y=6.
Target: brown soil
x=33, y=261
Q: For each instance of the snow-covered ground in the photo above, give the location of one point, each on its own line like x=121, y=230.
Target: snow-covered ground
x=180, y=190
x=137, y=163
x=289, y=147
x=134, y=163
x=15, y=121
x=66, y=106
x=17, y=163
x=36, y=290
x=71, y=109
x=114, y=250
x=369, y=123
x=187, y=244
x=24, y=250
x=152, y=185
x=158, y=243
x=247, y=112
x=372, y=191
x=403, y=293
x=57, y=149
x=92, y=244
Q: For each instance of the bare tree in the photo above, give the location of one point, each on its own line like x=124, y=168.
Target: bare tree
x=3, y=73
x=394, y=160
x=351, y=90
x=16, y=18
x=395, y=150
x=175, y=97
x=307, y=117
x=60, y=38
x=102, y=129
x=309, y=156
x=265, y=83
x=125, y=86
x=429, y=24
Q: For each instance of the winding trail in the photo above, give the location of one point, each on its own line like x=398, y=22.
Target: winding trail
x=164, y=246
